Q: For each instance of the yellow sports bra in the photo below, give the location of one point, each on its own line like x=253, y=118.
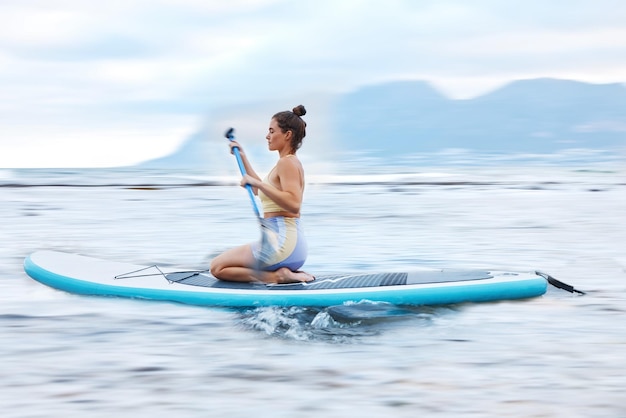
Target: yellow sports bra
x=268, y=204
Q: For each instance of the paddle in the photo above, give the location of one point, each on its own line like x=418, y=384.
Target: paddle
x=265, y=242
x=230, y=134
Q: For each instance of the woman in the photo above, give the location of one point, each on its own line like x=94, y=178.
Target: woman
x=281, y=198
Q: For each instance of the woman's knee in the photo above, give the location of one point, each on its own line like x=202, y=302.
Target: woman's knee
x=235, y=257
x=215, y=267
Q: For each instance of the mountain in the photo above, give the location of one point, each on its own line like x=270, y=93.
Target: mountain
x=192, y=152
x=202, y=151
x=388, y=116
x=535, y=116
x=541, y=115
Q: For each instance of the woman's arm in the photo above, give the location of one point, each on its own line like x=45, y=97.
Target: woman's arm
x=244, y=159
x=291, y=185
x=250, y=173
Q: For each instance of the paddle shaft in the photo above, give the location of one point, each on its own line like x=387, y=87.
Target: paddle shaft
x=242, y=169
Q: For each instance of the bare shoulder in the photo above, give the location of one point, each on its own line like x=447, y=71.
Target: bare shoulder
x=289, y=162
x=290, y=169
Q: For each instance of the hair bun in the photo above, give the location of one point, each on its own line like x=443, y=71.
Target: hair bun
x=299, y=110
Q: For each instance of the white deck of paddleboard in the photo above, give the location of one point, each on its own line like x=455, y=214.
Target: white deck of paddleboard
x=92, y=276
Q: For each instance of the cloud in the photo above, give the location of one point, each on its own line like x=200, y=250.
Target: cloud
x=99, y=66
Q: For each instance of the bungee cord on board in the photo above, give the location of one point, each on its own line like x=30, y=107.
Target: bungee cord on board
x=132, y=275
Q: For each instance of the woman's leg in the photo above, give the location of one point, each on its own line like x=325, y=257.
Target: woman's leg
x=284, y=275
x=237, y=265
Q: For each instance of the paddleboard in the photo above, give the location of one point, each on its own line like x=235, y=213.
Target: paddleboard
x=79, y=274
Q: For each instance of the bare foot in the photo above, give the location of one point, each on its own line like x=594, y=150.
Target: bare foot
x=284, y=276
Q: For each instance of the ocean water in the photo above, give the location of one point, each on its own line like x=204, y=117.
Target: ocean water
x=556, y=355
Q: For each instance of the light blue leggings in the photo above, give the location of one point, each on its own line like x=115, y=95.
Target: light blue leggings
x=283, y=244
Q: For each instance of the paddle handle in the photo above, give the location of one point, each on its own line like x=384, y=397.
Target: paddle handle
x=231, y=137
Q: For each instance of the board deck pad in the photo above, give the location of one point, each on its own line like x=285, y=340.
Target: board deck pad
x=337, y=281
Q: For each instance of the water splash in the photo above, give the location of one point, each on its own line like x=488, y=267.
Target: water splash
x=342, y=323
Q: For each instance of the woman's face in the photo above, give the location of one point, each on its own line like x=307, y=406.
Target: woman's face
x=276, y=138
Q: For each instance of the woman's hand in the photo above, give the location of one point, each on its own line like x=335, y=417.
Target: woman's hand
x=247, y=179
x=251, y=177
x=233, y=144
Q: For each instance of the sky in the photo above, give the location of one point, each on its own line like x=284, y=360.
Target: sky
x=113, y=83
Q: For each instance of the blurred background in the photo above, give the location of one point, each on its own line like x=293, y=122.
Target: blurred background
x=99, y=85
